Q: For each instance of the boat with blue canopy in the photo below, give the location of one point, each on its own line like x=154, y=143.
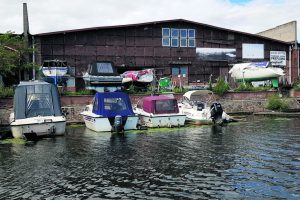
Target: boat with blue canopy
x=110, y=111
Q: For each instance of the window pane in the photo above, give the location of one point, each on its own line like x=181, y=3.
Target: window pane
x=162, y=106
x=166, y=42
x=183, y=33
x=175, y=32
x=192, y=43
x=191, y=33
x=174, y=42
x=104, y=68
x=183, y=70
x=166, y=32
x=183, y=42
x=175, y=71
x=114, y=104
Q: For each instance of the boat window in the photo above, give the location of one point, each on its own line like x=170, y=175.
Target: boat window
x=104, y=68
x=95, y=104
x=114, y=104
x=39, y=104
x=165, y=106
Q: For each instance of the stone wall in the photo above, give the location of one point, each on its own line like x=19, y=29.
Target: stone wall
x=231, y=102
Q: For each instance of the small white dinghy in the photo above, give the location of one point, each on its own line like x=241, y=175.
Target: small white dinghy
x=37, y=111
x=110, y=111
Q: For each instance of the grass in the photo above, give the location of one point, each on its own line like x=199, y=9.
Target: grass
x=81, y=92
x=276, y=103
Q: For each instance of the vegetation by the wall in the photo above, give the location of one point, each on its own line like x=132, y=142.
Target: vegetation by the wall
x=6, y=92
x=78, y=93
x=249, y=87
x=221, y=87
x=277, y=103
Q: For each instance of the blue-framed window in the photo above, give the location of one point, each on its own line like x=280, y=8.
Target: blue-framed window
x=165, y=37
x=179, y=70
x=173, y=37
x=191, y=38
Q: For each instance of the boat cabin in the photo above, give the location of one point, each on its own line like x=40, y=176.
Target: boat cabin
x=159, y=104
x=111, y=104
x=34, y=99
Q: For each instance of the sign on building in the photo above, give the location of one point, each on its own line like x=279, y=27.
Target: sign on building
x=278, y=58
x=253, y=51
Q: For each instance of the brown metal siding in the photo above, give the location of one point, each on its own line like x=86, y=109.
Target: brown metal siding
x=140, y=46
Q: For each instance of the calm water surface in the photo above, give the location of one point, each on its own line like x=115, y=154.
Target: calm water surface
x=256, y=159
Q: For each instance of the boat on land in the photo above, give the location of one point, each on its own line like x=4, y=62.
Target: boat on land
x=255, y=71
x=37, y=111
x=138, y=78
x=55, y=71
x=195, y=106
x=159, y=111
x=102, y=76
x=110, y=111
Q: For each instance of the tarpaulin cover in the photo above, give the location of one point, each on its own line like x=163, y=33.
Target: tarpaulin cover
x=33, y=99
x=160, y=104
x=110, y=104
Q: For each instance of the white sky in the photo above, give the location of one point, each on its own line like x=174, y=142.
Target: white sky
x=59, y=15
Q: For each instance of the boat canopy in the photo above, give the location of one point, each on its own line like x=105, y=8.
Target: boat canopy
x=188, y=95
x=110, y=104
x=160, y=104
x=33, y=99
x=102, y=69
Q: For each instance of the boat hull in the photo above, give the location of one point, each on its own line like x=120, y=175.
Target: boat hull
x=102, y=124
x=54, y=71
x=162, y=120
x=40, y=126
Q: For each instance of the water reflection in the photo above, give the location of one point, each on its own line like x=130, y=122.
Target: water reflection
x=256, y=159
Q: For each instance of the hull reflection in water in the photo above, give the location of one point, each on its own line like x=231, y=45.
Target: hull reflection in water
x=239, y=161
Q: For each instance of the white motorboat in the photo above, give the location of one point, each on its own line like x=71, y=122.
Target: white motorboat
x=37, y=111
x=110, y=111
x=195, y=107
x=102, y=76
x=54, y=68
x=256, y=71
x=159, y=111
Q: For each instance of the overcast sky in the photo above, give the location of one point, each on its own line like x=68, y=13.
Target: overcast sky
x=250, y=16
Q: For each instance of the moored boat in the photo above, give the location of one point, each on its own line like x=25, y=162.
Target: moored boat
x=139, y=78
x=159, y=111
x=102, y=76
x=195, y=106
x=255, y=71
x=110, y=111
x=37, y=111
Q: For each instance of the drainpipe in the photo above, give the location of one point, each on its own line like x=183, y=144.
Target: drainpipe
x=290, y=64
x=33, y=60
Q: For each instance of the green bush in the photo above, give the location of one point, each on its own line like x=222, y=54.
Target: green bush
x=297, y=87
x=81, y=92
x=6, y=92
x=221, y=87
x=249, y=87
x=276, y=103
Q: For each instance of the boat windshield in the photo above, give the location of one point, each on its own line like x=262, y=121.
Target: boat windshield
x=104, y=68
x=166, y=106
x=39, y=104
x=114, y=104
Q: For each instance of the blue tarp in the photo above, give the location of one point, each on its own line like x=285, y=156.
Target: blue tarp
x=110, y=104
x=261, y=64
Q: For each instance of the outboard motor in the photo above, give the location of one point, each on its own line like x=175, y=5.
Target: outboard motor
x=216, y=112
x=118, y=124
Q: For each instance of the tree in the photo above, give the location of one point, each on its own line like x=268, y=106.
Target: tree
x=13, y=51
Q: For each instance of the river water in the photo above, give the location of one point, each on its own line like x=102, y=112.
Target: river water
x=255, y=159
